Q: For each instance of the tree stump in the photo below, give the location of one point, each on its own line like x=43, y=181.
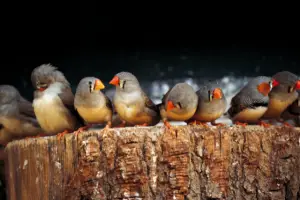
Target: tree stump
x=192, y=162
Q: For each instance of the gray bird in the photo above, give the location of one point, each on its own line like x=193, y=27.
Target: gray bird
x=178, y=104
x=131, y=102
x=283, y=95
x=251, y=102
x=92, y=105
x=211, y=104
x=54, y=101
x=293, y=112
x=17, y=119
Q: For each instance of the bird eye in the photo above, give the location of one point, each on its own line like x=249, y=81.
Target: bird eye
x=90, y=82
x=178, y=105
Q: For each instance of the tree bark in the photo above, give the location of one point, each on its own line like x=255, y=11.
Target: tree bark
x=190, y=162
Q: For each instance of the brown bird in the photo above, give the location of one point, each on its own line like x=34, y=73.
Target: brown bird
x=283, y=95
x=131, y=102
x=178, y=104
x=17, y=118
x=251, y=102
x=293, y=112
x=92, y=105
x=211, y=104
x=54, y=101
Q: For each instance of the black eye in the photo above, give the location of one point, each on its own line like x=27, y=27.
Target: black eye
x=90, y=82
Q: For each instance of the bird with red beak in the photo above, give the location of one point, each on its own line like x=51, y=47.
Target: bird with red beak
x=131, y=103
x=178, y=104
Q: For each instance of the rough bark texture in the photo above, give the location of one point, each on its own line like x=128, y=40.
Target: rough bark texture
x=151, y=163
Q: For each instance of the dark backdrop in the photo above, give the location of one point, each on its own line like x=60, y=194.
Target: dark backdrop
x=92, y=45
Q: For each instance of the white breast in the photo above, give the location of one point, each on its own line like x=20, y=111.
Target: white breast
x=51, y=113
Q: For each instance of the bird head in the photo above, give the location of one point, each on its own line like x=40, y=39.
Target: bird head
x=216, y=93
x=265, y=87
x=95, y=85
x=45, y=75
x=125, y=81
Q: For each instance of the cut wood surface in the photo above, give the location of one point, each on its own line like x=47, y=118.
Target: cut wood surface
x=150, y=163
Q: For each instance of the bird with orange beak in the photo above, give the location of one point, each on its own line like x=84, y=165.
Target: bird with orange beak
x=131, y=103
x=283, y=95
x=251, y=102
x=211, y=104
x=178, y=104
x=92, y=104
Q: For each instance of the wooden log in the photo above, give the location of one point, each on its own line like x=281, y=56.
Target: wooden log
x=150, y=163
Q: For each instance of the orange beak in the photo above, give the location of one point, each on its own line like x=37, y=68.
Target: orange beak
x=115, y=81
x=217, y=93
x=297, y=87
x=98, y=85
x=170, y=105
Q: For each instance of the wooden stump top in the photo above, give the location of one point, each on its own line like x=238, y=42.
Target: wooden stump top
x=151, y=163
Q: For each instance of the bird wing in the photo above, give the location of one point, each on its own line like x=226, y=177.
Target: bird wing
x=149, y=103
x=67, y=98
x=26, y=108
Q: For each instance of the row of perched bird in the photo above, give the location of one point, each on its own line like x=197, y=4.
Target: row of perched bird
x=56, y=110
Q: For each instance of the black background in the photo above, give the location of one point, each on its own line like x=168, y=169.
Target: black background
x=87, y=44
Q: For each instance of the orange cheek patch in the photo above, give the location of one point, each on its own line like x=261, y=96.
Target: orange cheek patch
x=217, y=93
x=264, y=88
x=170, y=105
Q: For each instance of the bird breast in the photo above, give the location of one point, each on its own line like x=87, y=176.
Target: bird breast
x=52, y=115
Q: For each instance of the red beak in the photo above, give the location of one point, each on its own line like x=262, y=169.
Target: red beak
x=115, y=81
x=275, y=83
x=297, y=86
x=170, y=105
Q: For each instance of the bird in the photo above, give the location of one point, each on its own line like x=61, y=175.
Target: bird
x=178, y=104
x=131, y=102
x=251, y=102
x=54, y=101
x=17, y=118
x=212, y=104
x=283, y=95
x=293, y=112
x=93, y=106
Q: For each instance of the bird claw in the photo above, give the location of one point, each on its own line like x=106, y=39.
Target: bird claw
x=81, y=129
x=108, y=126
x=194, y=122
x=122, y=125
x=218, y=124
x=60, y=135
x=287, y=124
x=167, y=124
x=264, y=124
x=241, y=124
x=144, y=124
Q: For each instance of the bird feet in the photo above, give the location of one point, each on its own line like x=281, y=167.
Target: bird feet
x=35, y=136
x=241, y=124
x=286, y=124
x=167, y=124
x=122, y=125
x=264, y=124
x=195, y=122
x=81, y=129
x=108, y=126
x=60, y=135
x=144, y=124
x=217, y=124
